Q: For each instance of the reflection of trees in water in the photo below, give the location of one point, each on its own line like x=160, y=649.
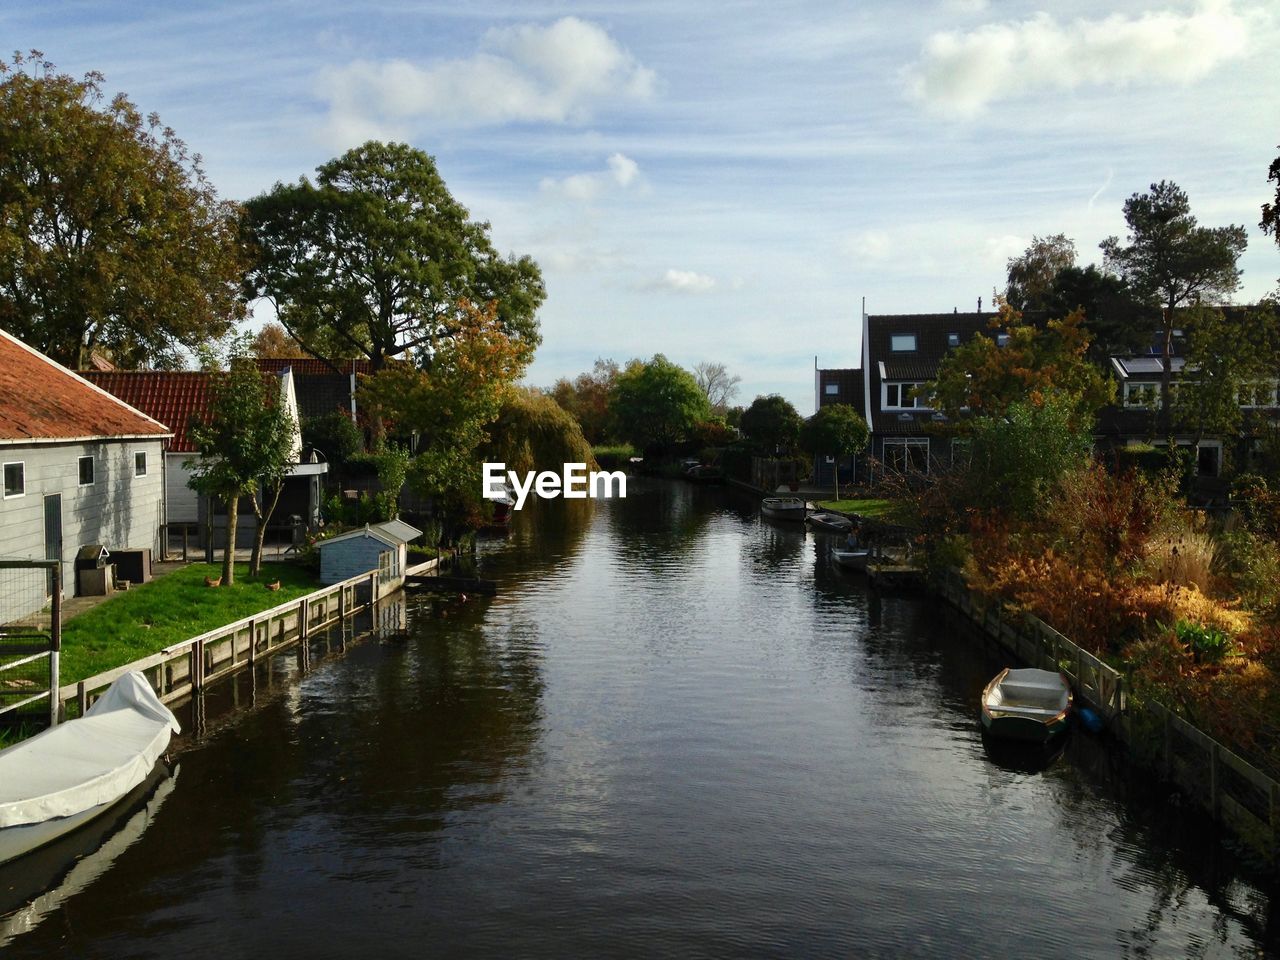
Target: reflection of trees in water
x=661, y=520
x=779, y=545
x=543, y=535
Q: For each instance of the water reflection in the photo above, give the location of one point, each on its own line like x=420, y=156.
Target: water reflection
x=676, y=730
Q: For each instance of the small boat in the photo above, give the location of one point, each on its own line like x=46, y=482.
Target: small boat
x=1026, y=704
x=704, y=473
x=783, y=508
x=829, y=522
x=63, y=778
x=850, y=559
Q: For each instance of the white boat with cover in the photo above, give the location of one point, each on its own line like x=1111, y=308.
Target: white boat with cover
x=63, y=778
x=1026, y=704
x=784, y=508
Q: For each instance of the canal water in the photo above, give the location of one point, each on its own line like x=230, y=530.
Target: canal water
x=678, y=730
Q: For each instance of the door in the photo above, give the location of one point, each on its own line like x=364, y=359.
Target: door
x=52, y=531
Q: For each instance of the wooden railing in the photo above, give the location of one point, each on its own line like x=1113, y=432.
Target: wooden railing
x=1229, y=788
x=183, y=669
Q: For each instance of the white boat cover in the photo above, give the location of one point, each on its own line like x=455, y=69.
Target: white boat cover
x=87, y=762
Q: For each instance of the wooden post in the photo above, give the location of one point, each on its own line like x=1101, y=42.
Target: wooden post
x=197, y=664
x=342, y=604
x=186, y=535
x=302, y=619
x=1168, y=733
x=82, y=697
x=1214, y=785
x=373, y=588
x=55, y=645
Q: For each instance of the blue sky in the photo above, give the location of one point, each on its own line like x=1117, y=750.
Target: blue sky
x=727, y=181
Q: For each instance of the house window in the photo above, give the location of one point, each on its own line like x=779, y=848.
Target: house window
x=140, y=464
x=953, y=339
x=903, y=454
x=1002, y=339
x=15, y=480
x=833, y=389
x=86, y=471
x=1139, y=395
x=898, y=396
x=902, y=342
x=1258, y=394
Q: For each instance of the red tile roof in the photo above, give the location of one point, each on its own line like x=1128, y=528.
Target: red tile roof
x=171, y=396
x=309, y=366
x=43, y=400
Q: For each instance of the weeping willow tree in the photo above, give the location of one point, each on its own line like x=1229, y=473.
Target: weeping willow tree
x=533, y=432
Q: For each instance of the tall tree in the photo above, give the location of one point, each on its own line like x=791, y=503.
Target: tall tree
x=111, y=237
x=533, y=432
x=273, y=342
x=836, y=430
x=246, y=441
x=982, y=378
x=376, y=258
x=771, y=423
x=1171, y=262
x=656, y=403
x=586, y=398
x=1116, y=320
x=717, y=383
x=1270, y=222
x=1031, y=275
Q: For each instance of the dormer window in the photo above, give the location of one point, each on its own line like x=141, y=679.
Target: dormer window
x=902, y=342
x=900, y=396
x=833, y=389
x=953, y=340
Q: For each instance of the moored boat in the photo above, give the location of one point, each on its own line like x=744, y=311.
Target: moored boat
x=829, y=522
x=705, y=473
x=1026, y=704
x=783, y=508
x=850, y=559
x=63, y=778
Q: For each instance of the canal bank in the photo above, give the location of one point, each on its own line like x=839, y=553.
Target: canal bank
x=676, y=730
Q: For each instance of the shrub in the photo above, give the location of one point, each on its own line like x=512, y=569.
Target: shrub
x=615, y=456
x=1206, y=644
x=1185, y=559
x=1251, y=565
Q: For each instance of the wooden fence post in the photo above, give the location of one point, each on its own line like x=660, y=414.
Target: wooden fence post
x=302, y=619
x=1214, y=786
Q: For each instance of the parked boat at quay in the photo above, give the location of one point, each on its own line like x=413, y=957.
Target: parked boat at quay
x=829, y=522
x=784, y=508
x=850, y=559
x=1026, y=704
x=63, y=778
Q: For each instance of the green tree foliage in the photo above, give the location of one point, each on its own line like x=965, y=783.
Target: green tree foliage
x=771, y=423
x=533, y=432
x=1032, y=275
x=245, y=442
x=586, y=398
x=336, y=438
x=376, y=258
x=111, y=238
x=1117, y=322
x=1171, y=262
x=656, y=403
x=837, y=431
x=1020, y=455
x=981, y=378
x=1270, y=222
x=1228, y=363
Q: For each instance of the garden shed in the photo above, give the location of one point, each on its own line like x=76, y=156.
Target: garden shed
x=380, y=546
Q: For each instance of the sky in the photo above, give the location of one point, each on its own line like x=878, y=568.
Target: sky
x=726, y=182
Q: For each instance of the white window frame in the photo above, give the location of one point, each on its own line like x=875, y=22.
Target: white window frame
x=143, y=461
x=897, y=343
x=904, y=402
x=93, y=470
x=906, y=443
x=1140, y=388
x=1250, y=392
x=4, y=469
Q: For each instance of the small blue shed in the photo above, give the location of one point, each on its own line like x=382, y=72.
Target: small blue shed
x=380, y=546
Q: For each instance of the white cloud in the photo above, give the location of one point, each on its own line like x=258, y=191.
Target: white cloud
x=966, y=7
x=557, y=73
x=684, y=281
x=960, y=72
x=620, y=172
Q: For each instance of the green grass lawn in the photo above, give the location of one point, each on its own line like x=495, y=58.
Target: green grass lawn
x=168, y=610
x=864, y=508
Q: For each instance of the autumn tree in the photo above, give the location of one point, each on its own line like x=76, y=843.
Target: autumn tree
x=983, y=378
x=449, y=400
x=246, y=441
x=1031, y=276
x=1172, y=262
x=771, y=423
x=656, y=403
x=586, y=398
x=836, y=430
x=717, y=383
x=533, y=432
x=111, y=237
x=273, y=342
x=375, y=258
